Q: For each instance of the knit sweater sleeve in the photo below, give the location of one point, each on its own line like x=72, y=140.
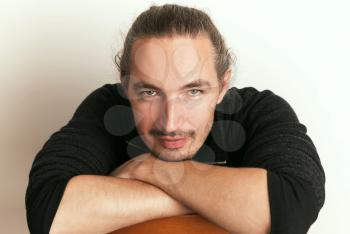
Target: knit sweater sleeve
x=279, y=143
x=82, y=146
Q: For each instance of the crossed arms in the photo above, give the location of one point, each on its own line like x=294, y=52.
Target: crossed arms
x=280, y=170
x=146, y=188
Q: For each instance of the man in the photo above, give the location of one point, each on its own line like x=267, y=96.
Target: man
x=172, y=138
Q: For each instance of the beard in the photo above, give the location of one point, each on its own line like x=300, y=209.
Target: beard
x=172, y=155
x=187, y=152
x=175, y=155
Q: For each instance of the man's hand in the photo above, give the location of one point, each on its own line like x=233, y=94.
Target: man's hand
x=152, y=170
x=141, y=168
x=235, y=195
x=133, y=167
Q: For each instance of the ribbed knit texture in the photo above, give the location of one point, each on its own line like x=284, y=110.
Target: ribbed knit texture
x=274, y=140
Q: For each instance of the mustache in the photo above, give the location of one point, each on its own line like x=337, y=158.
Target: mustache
x=157, y=132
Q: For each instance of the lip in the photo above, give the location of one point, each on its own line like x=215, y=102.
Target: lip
x=173, y=142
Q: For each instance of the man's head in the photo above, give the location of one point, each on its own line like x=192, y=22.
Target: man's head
x=175, y=69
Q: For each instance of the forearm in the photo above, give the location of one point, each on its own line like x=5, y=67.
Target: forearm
x=234, y=198
x=101, y=204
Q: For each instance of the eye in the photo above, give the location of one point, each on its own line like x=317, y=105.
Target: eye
x=148, y=93
x=195, y=92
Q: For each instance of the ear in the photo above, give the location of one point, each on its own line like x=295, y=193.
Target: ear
x=225, y=83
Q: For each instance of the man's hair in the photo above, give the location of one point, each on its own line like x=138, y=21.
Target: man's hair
x=169, y=20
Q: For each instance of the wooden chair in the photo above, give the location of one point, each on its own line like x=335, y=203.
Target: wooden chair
x=184, y=224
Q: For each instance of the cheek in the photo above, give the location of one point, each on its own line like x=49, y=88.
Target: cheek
x=205, y=105
x=206, y=123
x=141, y=116
x=203, y=116
x=201, y=120
x=144, y=123
x=202, y=111
x=146, y=112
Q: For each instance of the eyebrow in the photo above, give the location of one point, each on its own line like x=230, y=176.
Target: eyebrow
x=199, y=83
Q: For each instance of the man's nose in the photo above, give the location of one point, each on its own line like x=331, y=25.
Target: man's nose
x=171, y=115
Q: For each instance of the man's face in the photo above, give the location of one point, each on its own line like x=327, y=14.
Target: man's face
x=173, y=90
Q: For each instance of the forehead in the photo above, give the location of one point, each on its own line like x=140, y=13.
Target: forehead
x=173, y=60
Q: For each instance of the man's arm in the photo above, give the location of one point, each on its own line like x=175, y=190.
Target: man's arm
x=279, y=160
x=84, y=147
x=102, y=204
x=233, y=198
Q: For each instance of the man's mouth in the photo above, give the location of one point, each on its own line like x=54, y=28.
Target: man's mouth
x=173, y=142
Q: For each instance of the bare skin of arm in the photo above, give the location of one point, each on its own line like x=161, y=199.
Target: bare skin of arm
x=102, y=204
x=236, y=199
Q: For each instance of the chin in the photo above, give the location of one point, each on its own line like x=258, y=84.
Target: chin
x=173, y=155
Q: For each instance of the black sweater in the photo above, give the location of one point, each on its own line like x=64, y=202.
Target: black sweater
x=251, y=129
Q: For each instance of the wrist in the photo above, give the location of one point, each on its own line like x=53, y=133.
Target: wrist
x=166, y=173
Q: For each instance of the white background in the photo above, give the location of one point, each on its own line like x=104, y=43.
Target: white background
x=54, y=53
